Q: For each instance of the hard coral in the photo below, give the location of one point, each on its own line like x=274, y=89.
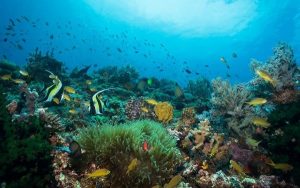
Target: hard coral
x=164, y=112
x=282, y=68
x=188, y=116
x=228, y=102
x=38, y=63
x=114, y=147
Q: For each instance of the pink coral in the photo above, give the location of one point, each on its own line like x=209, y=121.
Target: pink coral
x=31, y=97
x=12, y=107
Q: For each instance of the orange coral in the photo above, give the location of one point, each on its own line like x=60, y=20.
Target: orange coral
x=201, y=134
x=164, y=111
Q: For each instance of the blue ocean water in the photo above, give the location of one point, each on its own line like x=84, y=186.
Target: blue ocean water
x=178, y=40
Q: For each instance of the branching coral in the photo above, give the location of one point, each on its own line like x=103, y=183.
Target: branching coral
x=282, y=68
x=229, y=101
x=115, y=147
x=164, y=112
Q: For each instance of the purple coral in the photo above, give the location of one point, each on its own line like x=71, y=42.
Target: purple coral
x=240, y=155
x=133, y=108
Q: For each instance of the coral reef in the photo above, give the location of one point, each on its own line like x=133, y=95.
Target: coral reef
x=114, y=147
x=283, y=70
x=205, y=135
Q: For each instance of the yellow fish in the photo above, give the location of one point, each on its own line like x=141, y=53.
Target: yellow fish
x=265, y=76
x=23, y=73
x=252, y=142
x=67, y=97
x=214, y=150
x=173, y=182
x=6, y=77
x=257, y=101
x=204, y=165
x=72, y=111
x=18, y=81
x=69, y=89
x=261, y=122
x=93, y=89
x=133, y=164
x=144, y=109
x=237, y=168
x=99, y=173
x=56, y=100
x=178, y=92
x=156, y=186
x=281, y=166
x=87, y=103
x=88, y=82
x=151, y=101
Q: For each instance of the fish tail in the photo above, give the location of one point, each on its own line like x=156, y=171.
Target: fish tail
x=273, y=82
x=271, y=162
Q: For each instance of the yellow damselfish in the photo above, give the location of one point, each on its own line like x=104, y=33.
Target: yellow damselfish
x=151, y=101
x=56, y=100
x=67, y=97
x=261, y=122
x=281, y=166
x=265, y=76
x=237, y=168
x=99, y=173
x=257, y=101
x=23, y=73
x=69, y=89
x=173, y=182
x=88, y=82
x=133, y=164
x=144, y=109
x=18, y=81
x=252, y=142
x=6, y=77
x=72, y=111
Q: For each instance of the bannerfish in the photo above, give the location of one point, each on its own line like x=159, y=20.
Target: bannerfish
x=96, y=104
x=56, y=90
